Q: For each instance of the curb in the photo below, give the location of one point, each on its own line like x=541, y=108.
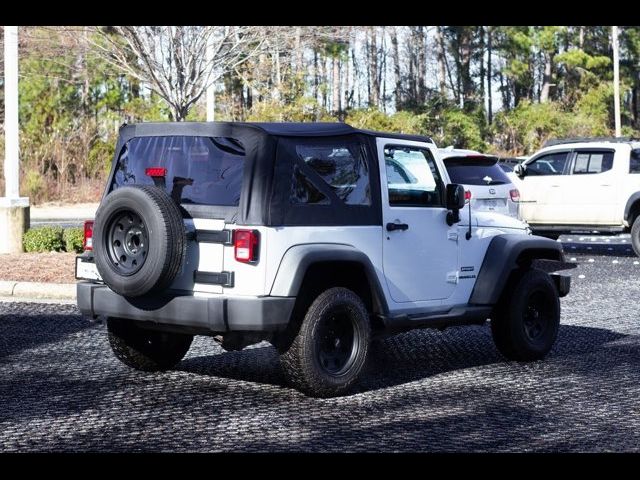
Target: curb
x=51, y=291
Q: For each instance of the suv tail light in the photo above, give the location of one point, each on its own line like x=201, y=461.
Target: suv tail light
x=515, y=195
x=87, y=242
x=467, y=196
x=245, y=243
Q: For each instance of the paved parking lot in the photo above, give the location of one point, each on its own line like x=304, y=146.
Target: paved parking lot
x=62, y=390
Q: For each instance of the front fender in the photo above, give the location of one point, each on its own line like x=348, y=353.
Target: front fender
x=503, y=256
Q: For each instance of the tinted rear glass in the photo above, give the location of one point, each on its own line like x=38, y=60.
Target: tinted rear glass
x=200, y=170
x=475, y=173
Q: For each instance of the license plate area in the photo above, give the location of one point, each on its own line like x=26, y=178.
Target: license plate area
x=86, y=270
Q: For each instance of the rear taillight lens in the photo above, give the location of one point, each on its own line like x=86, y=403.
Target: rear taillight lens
x=87, y=242
x=245, y=244
x=155, y=172
x=515, y=195
x=467, y=196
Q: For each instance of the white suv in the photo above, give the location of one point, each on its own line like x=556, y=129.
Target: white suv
x=574, y=185
x=491, y=188
x=314, y=237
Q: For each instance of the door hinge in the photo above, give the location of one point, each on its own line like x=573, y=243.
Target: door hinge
x=452, y=277
x=452, y=236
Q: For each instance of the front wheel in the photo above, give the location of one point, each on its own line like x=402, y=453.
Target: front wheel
x=330, y=349
x=144, y=349
x=526, y=322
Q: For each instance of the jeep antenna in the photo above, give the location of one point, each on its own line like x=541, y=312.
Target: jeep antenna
x=468, y=234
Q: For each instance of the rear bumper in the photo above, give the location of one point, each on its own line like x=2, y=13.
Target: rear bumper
x=213, y=314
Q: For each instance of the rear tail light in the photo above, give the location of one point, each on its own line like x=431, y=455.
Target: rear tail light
x=515, y=195
x=245, y=243
x=87, y=242
x=467, y=196
x=155, y=172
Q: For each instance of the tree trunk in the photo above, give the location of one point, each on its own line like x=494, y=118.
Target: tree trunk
x=546, y=79
x=395, y=54
x=374, y=93
x=489, y=74
x=335, y=85
x=442, y=73
x=482, y=67
x=422, y=65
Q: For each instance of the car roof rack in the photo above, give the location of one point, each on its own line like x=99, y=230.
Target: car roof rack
x=561, y=141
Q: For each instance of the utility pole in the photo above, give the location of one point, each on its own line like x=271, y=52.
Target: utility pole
x=211, y=93
x=14, y=210
x=616, y=79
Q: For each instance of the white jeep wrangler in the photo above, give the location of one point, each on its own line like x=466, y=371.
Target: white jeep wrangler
x=315, y=237
x=582, y=184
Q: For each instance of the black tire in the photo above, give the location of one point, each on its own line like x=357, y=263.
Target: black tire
x=139, y=241
x=330, y=349
x=526, y=321
x=145, y=349
x=635, y=235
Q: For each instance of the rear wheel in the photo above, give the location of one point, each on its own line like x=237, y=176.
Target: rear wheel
x=635, y=235
x=330, y=349
x=526, y=322
x=144, y=349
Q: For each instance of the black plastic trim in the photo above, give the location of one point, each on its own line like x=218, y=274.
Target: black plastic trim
x=501, y=258
x=226, y=279
x=627, y=209
x=459, y=315
x=206, y=314
x=572, y=228
x=224, y=237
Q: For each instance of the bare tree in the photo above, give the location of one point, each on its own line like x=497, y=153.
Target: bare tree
x=171, y=60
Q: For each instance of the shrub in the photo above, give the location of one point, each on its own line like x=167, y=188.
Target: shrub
x=43, y=239
x=73, y=238
x=34, y=185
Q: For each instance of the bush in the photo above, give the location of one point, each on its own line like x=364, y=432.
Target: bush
x=73, y=238
x=33, y=183
x=43, y=239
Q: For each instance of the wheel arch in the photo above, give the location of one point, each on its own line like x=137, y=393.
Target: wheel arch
x=632, y=208
x=506, y=254
x=350, y=266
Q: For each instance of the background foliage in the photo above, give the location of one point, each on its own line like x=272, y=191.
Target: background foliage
x=499, y=89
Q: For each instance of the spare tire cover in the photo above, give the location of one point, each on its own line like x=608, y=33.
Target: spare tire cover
x=139, y=240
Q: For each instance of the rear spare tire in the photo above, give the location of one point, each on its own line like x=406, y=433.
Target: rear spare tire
x=139, y=240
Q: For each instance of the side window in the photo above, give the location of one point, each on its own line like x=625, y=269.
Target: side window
x=550, y=164
x=592, y=162
x=634, y=161
x=412, y=177
x=340, y=168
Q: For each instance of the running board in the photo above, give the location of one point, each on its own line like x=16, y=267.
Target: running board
x=455, y=316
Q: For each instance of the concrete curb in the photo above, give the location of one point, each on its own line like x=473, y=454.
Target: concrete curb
x=52, y=291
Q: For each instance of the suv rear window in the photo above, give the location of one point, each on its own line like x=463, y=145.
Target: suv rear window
x=634, y=161
x=475, y=171
x=200, y=170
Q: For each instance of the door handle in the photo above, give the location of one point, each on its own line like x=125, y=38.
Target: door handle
x=396, y=226
x=605, y=185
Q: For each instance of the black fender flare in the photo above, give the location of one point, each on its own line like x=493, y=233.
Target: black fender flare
x=298, y=258
x=503, y=256
x=635, y=198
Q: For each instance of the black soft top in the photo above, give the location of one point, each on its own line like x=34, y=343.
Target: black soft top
x=265, y=179
x=279, y=129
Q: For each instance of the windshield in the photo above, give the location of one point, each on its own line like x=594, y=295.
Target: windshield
x=200, y=170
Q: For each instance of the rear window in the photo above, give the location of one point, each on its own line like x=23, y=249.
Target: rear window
x=200, y=170
x=467, y=171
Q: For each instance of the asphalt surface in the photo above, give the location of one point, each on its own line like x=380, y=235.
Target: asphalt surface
x=61, y=389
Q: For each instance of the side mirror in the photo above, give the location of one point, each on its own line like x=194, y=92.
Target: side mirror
x=455, y=196
x=455, y=201
x=520, y=170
